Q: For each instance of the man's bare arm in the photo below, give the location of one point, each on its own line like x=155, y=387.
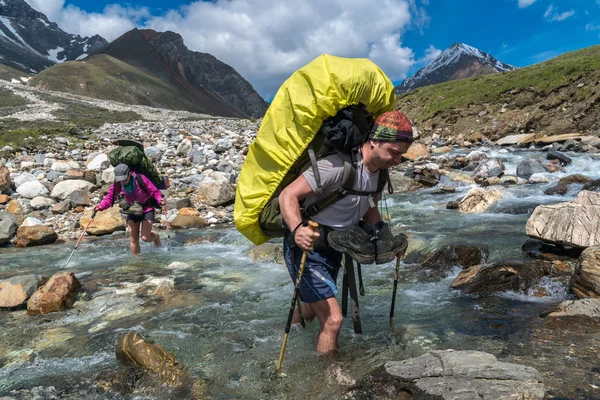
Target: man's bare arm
x=289, y=204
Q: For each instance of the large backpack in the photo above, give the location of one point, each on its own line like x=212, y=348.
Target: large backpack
x=313, y=94
x=132, y=154
x=344, y=134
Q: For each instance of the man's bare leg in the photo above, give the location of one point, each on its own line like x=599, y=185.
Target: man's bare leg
x=307, y=313
x=330, y=318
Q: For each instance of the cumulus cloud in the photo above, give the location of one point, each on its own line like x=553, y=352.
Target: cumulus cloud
x=266, y=40
x=525, y=3
x=552, y=14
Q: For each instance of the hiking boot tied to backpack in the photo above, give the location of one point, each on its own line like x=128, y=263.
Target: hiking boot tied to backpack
x=367, y=243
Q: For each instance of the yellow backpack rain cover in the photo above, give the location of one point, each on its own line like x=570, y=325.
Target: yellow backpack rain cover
x=312, y=94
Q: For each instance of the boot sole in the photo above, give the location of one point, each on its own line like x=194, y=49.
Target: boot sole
x=356, y=257
x=389, y=256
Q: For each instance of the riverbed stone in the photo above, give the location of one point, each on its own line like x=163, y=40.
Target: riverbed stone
x=415, y=151
x=80, y=198
x=188, y=221
x=99, y=163
x=573, y=223
x=514, y=275
x=452, y=255
x=449, y=374
x=558, y=190
x=8, y=227
x=37, y=235
x=15, y=292
x=40, y=202
x=586, y=281
x=478, y=200
x=214, y=192
x=487, y=168
x=61, y=207
x=529, y=167
x=4, y=199
x=5, y=180
x=22, y=178
x=582, y=307
x=575, y=178
x=404, y=184
x=105, y=222
x=63, y=189
x=32, y=189
x=155, y=360
x=58, y=293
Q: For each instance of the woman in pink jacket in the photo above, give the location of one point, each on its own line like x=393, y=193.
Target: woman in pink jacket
x=141, y=204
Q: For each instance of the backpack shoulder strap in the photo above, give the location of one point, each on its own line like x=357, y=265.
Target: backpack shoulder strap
x=140, y=181
x=348, y=178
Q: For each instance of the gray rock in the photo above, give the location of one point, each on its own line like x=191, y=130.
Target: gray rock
x=529, y=167
x=586, y=281
x=184, y=147
x=22, y=178
x=449, y=374
x=488, y=168
x=8, y=227
x=32, y=189
x=63, y=189
x=38, y=203
x=80, y=198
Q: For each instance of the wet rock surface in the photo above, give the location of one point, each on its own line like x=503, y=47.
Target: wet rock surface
x=452, y=374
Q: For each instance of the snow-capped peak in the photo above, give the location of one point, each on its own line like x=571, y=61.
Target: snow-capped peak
x=454, y=63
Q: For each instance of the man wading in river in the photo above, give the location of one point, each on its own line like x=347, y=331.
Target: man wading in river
x=354, y=223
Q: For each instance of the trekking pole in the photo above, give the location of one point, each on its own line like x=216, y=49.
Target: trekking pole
x=312, y=225
x=81, y=237
x=395, y=289
x=168, y=233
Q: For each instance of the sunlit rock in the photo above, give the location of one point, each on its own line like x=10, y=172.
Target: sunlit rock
x=57, y=294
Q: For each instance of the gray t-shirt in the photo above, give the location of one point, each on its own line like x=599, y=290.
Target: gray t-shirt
x=344, y=213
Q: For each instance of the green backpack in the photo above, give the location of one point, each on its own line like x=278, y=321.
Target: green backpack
x=131, y=153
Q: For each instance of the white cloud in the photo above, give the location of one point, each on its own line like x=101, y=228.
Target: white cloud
x=526, y=3
x=267, y=40
x=552, y=14
x=430, y=54
x=592, y=27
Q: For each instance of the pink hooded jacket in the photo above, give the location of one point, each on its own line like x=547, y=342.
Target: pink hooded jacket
x=138, y=194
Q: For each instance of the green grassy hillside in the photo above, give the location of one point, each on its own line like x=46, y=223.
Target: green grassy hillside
x=568, y=83
x=8, y=73
x=104, y=77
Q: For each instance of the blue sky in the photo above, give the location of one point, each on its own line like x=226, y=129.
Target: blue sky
x=267, y=40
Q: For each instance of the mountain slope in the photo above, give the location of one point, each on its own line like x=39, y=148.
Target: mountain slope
x=456, y=62
x=165, y=55
x=561, y=95
x=31, y=43
x=104, y=77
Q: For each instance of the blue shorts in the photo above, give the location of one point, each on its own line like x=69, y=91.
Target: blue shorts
x=320, y=272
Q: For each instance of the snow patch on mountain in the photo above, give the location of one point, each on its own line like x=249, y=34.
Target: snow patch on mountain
x=448, y=64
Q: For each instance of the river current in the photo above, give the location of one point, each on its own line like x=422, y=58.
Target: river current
x=225, y=319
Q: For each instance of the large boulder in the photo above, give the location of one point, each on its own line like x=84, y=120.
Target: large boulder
x=15, y=292
x=36, y=235
x=586, y=281
x=63, y=189
x=529, y=167
x=514, y=275
x=449, y=374
x=478, y=200
x=105, y=222
x=573, y=223
x=5, y=180
x=57, y=294
x=32, y=189
x=215, y=192
x=8, y=227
